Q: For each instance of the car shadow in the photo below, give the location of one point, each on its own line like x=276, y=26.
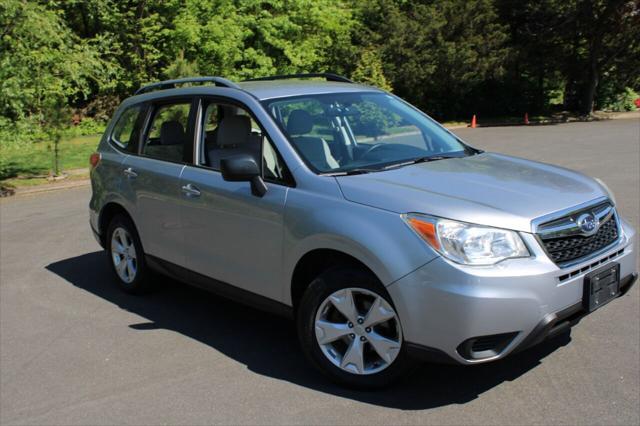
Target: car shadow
x=267, y=344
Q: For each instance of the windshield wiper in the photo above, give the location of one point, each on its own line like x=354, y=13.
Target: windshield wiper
x=420, y=160
x=361, y=170
x=358, y=171
x=432, y=158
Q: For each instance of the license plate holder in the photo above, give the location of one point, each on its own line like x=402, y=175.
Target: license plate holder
x=601, y=286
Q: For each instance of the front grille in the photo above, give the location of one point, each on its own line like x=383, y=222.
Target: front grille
x=566, y=249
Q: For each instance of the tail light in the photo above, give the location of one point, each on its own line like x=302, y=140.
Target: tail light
x=94, y=159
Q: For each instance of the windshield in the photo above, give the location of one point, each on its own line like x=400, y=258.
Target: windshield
x=342, y=132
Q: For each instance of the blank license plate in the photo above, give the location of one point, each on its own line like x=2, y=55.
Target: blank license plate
x=600, y=286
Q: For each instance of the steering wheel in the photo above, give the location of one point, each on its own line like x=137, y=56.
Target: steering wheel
x=373, y=148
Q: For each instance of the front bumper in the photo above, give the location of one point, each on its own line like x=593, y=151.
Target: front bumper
x=443, y=306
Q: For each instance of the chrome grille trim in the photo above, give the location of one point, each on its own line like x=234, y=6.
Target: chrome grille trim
x=560, y=229
x=551, y=217
x=567, y=226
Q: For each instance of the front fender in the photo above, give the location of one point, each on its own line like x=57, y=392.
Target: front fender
x=378, y=238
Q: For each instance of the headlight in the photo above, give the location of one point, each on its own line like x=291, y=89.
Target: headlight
x=467, y=243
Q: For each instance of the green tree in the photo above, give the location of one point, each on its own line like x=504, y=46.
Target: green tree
x=43, y=68
x=369, y=70
x=244, y=38
x=131, y=35
x=591, y=47
x=42, y=64
x=181, y=68
x=436, y=52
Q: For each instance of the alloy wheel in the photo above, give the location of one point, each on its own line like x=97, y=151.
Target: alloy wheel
x=123, y=255
x=358, y=331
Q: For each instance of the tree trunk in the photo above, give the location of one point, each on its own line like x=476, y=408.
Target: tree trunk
x=591, y=86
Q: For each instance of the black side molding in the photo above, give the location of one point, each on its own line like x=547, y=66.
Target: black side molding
x=97, y=235
x=218, y=287
x=428, y=354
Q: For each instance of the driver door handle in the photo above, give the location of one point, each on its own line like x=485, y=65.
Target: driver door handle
x=130, y=173
x=190, y=190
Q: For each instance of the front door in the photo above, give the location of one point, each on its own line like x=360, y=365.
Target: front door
x=229, y=234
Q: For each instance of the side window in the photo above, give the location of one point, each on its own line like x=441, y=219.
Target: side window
x=168, y=132
x=126, y=130
x=229, y=130
x=316, y=130
x=273, y=167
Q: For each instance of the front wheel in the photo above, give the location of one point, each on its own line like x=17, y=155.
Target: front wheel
x=350, y=330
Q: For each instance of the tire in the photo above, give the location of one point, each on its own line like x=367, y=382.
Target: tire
x=316, y=309
x=134, y=278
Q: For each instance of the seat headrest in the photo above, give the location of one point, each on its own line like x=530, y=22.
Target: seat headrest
x=234, y=130
x=299, y=122
x=171, y=133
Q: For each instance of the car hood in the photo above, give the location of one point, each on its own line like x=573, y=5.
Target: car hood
x=488, y=189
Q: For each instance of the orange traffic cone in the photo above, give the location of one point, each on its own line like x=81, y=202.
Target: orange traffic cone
x=473, y=122
x=526, y=118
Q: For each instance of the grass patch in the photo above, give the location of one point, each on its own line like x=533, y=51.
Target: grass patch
x=26, y=182
x=35, y=160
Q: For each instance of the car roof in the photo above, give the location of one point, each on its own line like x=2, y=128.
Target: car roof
x=285, y=88
x=262, y=90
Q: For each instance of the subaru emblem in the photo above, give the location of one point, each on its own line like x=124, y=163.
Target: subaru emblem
x=588, y=223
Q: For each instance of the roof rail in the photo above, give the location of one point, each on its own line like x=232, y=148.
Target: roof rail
x=326, y=75
x=170, y=84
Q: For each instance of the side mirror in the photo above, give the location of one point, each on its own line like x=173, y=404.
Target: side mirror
x=243, y=168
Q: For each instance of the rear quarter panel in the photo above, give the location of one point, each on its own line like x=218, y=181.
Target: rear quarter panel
x=106, y=178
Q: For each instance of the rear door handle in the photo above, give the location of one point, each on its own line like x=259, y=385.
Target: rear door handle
x=130, y=173
x=190, y=190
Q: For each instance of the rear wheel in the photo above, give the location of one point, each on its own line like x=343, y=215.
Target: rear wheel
x=350, y=330
x=126, y=256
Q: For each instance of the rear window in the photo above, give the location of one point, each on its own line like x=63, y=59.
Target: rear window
x=125, y=132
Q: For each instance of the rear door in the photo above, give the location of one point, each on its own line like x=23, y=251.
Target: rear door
x=153, y=177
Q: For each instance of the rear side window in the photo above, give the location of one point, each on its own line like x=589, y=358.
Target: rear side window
x=168, y=132
x=126, y=130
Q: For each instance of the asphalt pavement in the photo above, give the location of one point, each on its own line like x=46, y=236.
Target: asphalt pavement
x=75, y=350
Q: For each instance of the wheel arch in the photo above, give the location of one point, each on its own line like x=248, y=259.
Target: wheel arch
x=107, y=213
x=317, y=260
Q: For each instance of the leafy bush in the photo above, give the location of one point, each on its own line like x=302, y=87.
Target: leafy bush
x=623, y=101
x=88, y=126
x=20, y=132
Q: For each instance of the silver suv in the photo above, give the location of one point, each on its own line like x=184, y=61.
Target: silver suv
x=386, y=237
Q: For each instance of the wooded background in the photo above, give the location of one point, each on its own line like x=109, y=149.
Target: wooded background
x=452, y=58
